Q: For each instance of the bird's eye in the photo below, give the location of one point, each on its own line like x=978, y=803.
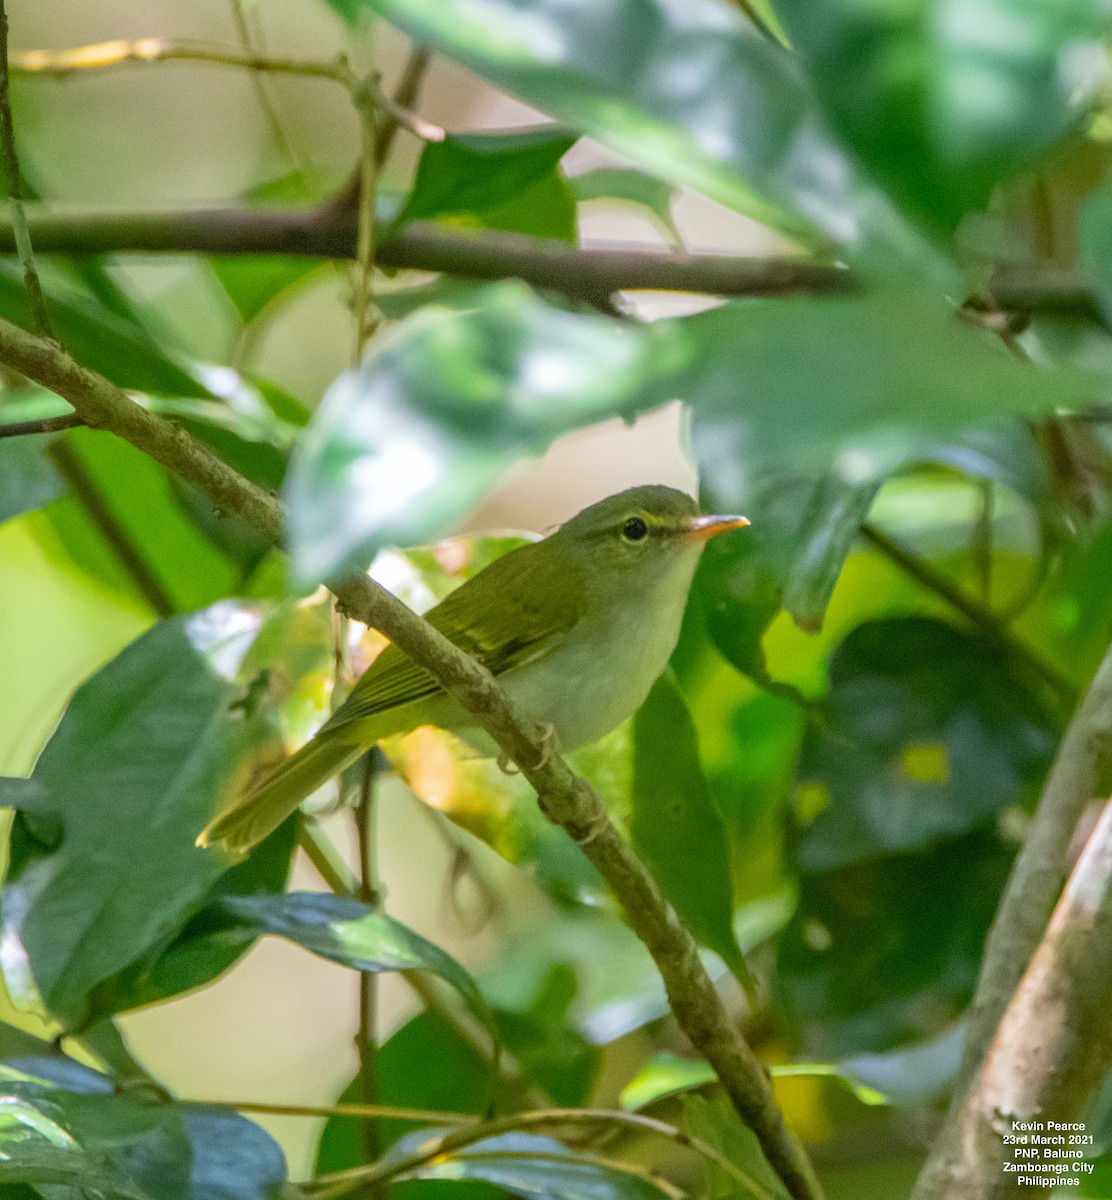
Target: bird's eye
x=634, y=529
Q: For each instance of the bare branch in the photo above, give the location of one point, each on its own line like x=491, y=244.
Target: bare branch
x=564, y=798
x=43, y=425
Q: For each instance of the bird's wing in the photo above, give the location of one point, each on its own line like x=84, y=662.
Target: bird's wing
x=523, y=623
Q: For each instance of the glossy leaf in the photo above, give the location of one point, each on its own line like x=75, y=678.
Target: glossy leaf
x=927, y=735
x=714, y=1121
x=941, y=102
x=398, y=450
x=347, y=932
x=676, y=826
x=103, y=864
x=99, y=339
x=499, y=181
x=525, y=1165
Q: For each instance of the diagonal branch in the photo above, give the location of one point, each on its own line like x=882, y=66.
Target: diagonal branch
x=1084, y=759
x=564, y=798
x=1054, y=1042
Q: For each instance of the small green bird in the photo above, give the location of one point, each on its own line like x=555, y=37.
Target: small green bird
x=575, y=627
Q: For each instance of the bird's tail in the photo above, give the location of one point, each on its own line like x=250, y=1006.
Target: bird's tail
x=252, y=817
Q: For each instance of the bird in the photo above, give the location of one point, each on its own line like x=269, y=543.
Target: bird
x=575, y=627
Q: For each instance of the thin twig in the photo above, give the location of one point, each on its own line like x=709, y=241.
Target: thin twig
x=404, y=100
x=363, y=1112
x=565, y=799
x=40, y=316
x=327, y=861
x=367, y=316
x=985, y=620
x=43, y=425
x=1084, y=758
x=86, y=492
x=367, y=1036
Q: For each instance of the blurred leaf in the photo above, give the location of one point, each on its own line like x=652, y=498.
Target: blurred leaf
x=802, y=531
x=28, y=479
x=350, y=933
x=887, y=951
x=253, y=281
x=1095, y=243
x=676, y=826
x=231, y=1157
x=714, y=1121
x=926, y=736
x=910, y=1074
x=898, y=374
x=425, y=1064
x=496, y=180
x=103, y=864
x=665, y=1074
x=140, y=498
x=630, y=186
x=526, y=1165
x=942, y=103
x=101, y=340
x=401, y=449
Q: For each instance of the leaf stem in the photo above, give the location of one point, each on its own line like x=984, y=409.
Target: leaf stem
x=43, y=425
x=40, y=316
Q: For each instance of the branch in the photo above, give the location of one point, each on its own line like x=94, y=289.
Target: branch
x=1084, y=757
x=1054, y=1041
x=43, y=425
x=564, y=798
x=35, y=299
x=580, y=274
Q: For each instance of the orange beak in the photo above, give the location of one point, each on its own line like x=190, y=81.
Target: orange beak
x=703, y=528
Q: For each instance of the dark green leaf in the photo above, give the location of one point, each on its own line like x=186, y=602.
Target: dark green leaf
x=525, y=1165
x=927, y=735
x=103, y=341
x=676, y=825
x=398, y=450
x=425, y=1064
x=231, y=1157
x=714, y=1121
x=887, y=951
x=1095, y=244
x=940, y=105
x=349, y=933
x=479, y=177
x=103, y=864
x=28, y=479
x=802, y=531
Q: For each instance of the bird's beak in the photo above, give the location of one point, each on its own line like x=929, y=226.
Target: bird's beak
x=703, y=528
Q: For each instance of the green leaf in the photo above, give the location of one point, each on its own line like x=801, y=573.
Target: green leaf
x=526, y=1165
x=802, y=532
x=28, y=479
x=400, y=449
x=254, y=281
x=1094, y=247
x=867, y=384
x=941, y=103
x=99, y=339
x=142, y=501
x=887, y=951
x=479, y=176
x=630, y=186
x=203, y=948
x=927, y=735
x=689, y=93
x=665, y=1074
x=103, y=864
x=350, y=933
x=425, y=1064
x=714, y=1121
x=676, y=825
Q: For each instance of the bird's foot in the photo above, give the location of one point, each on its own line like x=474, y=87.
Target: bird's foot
x=548, y=749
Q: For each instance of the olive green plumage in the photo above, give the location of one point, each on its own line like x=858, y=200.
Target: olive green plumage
x=575, y=627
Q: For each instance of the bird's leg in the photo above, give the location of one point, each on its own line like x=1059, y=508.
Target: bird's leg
x=548, y=749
